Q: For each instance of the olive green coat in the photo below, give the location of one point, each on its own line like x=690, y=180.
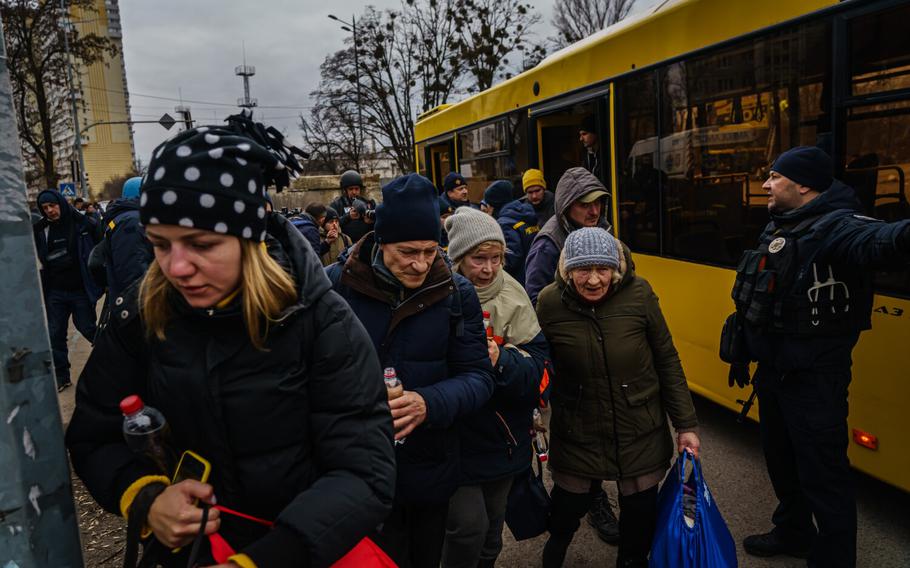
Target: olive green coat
x=617, y=377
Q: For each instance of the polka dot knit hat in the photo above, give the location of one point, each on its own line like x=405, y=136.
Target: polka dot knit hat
x=215, y=177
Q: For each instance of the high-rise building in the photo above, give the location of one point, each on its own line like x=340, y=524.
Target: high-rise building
x=108, y=149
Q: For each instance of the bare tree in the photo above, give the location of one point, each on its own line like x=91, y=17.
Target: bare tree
x=577, y=19
x=434, y=27
x=491, y=31
x=37, y=62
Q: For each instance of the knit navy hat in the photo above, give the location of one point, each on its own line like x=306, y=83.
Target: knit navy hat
x=330, y=214
x=409, y=211
x=445, y=208
x=453, y=180
x=498, y=194
x=806, y=165
x=215, y=177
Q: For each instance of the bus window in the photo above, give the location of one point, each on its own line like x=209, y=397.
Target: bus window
x=639, y=178
x=878, y=167
x=484, y=157
x=562, y=146
x=724, y=117
x=879, y=56
x=440, y=162
x=521, y=147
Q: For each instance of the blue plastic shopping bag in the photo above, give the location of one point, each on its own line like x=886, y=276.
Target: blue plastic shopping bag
x=691, y=533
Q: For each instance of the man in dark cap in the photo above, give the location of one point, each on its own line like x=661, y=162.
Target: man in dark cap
x=426, y=324
x=581, y=201
x=64, y=239
x=332, y=236
x=802, y=298
x=455, y=190
x=587, y=135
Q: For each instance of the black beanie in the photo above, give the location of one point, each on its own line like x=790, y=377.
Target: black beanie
x=588, y=125
x=330, y=214
x=452, y=180
x=806, y=165
x=498, y=194
x=409, y=211
x=215, y=177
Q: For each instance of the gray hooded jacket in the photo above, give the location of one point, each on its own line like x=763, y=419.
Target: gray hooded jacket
x=540, y=267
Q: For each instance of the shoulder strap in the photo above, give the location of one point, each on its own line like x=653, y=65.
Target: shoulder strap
x=456, y=317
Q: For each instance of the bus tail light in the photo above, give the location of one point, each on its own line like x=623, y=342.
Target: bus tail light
x=865, y=439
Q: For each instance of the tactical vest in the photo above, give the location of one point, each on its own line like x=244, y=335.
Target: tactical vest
x=786, y=286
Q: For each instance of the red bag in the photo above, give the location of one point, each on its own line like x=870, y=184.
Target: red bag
x=365, y=555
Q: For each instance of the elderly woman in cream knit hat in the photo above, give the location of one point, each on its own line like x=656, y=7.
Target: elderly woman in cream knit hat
x=495, y=442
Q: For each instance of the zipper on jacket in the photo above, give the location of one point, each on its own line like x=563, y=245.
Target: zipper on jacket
x=511, y=442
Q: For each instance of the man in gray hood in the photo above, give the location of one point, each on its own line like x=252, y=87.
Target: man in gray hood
x=581, y=201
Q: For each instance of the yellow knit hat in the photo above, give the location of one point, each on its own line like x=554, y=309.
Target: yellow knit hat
x=531, y=178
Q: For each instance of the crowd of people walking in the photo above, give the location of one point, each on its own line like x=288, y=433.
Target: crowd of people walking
x=264, y=339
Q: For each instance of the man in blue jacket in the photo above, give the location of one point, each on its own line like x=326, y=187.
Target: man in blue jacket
x=426, y=323
x=802, y=298
x=64, y=240
x=127, y=252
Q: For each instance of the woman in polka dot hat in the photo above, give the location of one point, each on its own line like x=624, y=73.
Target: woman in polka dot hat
x=255, y=363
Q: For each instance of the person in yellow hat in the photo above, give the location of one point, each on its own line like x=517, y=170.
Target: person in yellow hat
x=536, y=193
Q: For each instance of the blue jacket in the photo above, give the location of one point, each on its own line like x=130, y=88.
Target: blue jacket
x=434, y=338
x=824, y=255
x=518, y=222
x=84, y=237
x=127, y=251
x=310, y=231
x=496, y=441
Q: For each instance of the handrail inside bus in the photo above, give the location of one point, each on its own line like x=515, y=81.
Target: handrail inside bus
x=900, y=195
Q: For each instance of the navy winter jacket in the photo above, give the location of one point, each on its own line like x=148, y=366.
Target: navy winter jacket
x=434, y=338
x=310, y=231
x=843, y=247
x=83, y=236
x=518, y=222
x=496, y=441
x=127, y=251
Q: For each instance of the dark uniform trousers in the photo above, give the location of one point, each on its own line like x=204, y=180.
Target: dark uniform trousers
x=804, y=436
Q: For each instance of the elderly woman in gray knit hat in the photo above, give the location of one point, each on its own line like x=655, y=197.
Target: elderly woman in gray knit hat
x=495, y=441
x=617, y=377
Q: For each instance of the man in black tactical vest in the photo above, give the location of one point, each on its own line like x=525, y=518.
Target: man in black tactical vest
x=802, y=298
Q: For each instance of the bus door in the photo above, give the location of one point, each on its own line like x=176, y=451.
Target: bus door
x=440, y=157
x=572, y=134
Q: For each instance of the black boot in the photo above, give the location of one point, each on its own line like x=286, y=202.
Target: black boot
x=566, y=511
x=601, y=517
x=637, y=522
x=773, y=544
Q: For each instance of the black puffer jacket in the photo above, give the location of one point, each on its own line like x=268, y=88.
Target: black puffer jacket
x=300, y=434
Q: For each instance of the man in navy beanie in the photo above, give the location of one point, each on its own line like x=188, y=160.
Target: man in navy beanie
x=455, y=190
x=427, y=326
x=803, y=296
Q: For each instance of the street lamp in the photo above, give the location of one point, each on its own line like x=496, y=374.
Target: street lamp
x=352, y=27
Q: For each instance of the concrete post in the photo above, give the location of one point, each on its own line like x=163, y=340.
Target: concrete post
x=38, y=526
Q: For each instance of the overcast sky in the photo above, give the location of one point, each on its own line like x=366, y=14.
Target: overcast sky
x=174, y=47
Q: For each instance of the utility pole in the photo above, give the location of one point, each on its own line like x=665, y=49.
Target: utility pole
x=184, y=111
x=38, y=526
x=77, y=138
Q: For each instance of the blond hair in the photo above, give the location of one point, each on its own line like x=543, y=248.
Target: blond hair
x=265, y=288
x=484, y=247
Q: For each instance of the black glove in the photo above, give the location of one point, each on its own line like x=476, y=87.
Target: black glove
x=739, y=374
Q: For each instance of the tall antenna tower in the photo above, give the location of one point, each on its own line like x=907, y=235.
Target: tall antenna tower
x=246, y=71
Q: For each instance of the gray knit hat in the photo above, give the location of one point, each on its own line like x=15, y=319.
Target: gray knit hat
x=468, y=228
x=591, y=246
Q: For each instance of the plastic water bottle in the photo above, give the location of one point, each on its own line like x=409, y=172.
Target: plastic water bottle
x=145, y=431
x=394, y=388
x=541, y=447
x=488, y=325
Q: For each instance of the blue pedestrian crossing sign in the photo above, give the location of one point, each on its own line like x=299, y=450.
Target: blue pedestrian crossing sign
x=68, y=189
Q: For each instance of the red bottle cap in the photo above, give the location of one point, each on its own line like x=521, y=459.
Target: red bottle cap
x=131, y=404
x=486, y=314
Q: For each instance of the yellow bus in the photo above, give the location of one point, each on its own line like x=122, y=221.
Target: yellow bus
x=691, y=101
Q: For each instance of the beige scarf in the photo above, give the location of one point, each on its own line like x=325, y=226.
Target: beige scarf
x=511, y=312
